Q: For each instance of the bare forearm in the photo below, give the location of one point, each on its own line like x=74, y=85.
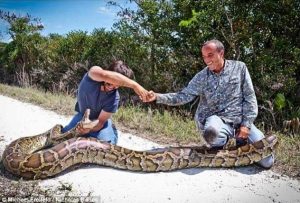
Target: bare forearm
x=98, y=74
x=117, y=79
x=97, y=128
x=121, y=80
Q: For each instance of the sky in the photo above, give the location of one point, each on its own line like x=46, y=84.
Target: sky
x=63, y=16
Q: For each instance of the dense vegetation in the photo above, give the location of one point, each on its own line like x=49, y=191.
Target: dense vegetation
x=161, y=42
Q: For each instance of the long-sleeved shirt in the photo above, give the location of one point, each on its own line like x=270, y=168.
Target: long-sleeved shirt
x=228, y=94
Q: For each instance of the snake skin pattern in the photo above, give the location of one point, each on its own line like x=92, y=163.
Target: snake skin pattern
x=50, y=153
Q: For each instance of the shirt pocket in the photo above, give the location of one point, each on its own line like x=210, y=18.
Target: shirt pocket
x=234, y=80
x=209, y=93
x=233, y=88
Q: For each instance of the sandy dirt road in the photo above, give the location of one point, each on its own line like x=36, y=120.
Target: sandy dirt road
x=247, y=184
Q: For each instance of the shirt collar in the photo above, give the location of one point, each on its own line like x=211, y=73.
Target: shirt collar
x=223, y=71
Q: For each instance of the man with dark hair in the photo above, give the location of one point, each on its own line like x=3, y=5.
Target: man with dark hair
x=228, y=105
x=98, y=91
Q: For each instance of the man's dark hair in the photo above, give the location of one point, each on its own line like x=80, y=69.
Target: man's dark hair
x=120, y=67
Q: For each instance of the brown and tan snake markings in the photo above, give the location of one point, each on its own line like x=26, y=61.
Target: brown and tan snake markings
x=47, y=154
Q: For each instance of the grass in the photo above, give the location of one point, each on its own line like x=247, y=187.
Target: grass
x=158, y=125
x=59, y=103
x=147, y=123
x=288, y=155
x=165, y=128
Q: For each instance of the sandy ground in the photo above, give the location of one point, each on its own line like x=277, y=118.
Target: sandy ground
x=248, y=184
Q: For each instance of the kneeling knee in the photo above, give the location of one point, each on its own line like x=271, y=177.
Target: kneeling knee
x=212, y=137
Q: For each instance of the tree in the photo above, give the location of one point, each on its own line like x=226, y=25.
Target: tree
x=263, y=34
x=20, y=54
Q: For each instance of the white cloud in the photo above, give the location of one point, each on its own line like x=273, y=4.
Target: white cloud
x=59, y=26
x=104, y=10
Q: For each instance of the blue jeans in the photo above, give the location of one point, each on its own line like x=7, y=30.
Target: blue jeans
x=225, y=131
x=107, y=133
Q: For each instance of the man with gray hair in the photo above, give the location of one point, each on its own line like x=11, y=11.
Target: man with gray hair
x=228, y=105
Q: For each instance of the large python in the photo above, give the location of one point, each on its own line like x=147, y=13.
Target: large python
x=49, y=153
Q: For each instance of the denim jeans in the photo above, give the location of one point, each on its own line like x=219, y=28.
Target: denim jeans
x=108, y=132
x=225, y=131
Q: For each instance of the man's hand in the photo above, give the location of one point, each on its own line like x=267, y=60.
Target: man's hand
x=243, y=132
x=151, y=96
x=83, y=131
x=139, y=90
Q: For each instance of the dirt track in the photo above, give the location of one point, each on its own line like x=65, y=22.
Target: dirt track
x=248, y=184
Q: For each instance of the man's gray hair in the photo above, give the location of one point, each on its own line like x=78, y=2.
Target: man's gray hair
x=219, y=45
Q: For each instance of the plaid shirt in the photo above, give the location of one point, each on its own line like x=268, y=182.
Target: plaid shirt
x=229, y=95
